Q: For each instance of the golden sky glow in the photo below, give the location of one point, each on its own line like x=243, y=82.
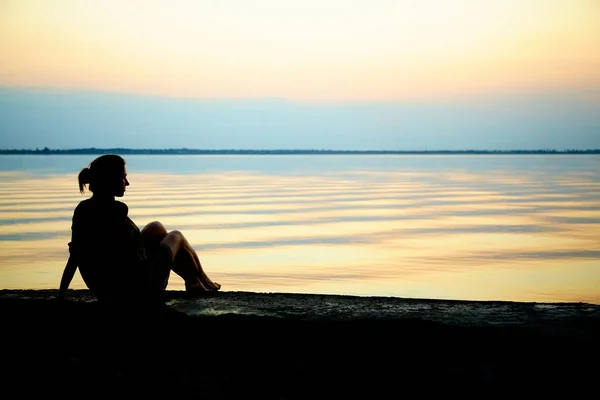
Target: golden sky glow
x=306, y=49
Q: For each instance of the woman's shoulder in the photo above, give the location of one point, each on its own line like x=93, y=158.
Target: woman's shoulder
x=84, y=206
x=122, y=207
x=92, y=207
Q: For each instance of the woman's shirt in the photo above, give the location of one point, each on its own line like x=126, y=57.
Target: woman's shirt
x=108, y=247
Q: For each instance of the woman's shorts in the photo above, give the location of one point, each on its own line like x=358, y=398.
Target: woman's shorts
x=160, y=259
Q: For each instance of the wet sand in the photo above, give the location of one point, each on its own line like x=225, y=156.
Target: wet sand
x=283, y=346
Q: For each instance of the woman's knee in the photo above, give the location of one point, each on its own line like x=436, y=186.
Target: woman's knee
x=174, y=240
x=154, y=232
x=175, y=235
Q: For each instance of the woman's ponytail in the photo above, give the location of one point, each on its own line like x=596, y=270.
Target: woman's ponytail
x=84, y=179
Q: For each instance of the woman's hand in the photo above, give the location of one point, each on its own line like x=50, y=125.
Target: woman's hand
x=67, y=276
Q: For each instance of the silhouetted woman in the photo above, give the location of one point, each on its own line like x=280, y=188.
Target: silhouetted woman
x=118, y=262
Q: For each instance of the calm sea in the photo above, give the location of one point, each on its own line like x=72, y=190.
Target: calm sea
x=476, y=227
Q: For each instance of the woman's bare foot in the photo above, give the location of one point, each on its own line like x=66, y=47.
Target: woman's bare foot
x=200, y=288
x=208, y=283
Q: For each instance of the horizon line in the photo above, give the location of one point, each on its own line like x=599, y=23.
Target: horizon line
x=186, y=150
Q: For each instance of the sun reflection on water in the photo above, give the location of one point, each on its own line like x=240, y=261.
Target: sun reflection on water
x=452, y=235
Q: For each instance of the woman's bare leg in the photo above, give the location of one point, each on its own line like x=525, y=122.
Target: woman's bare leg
x=153, y=233
x=185, y=262
x=204, y=279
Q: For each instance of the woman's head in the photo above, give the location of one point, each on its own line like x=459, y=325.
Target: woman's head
x=105, y=175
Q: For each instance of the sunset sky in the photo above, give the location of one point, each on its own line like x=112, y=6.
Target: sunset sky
x=365, y=74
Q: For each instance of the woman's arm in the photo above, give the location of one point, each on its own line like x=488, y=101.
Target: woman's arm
x=67, y=276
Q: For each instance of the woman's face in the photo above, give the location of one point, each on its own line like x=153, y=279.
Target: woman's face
x=121, y=184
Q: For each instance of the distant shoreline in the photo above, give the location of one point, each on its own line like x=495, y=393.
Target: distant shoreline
x=186, y=151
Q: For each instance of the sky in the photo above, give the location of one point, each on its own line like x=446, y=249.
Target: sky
x=318, y=74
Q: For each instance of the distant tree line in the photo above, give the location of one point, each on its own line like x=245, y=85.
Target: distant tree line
x=186, y=151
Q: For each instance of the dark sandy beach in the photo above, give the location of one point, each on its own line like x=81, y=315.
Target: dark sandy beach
x=282, y=346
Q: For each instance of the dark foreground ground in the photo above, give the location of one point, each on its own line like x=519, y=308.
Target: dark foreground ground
x=284, y=346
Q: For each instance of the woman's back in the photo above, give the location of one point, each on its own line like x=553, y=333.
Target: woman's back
x=107, y=246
